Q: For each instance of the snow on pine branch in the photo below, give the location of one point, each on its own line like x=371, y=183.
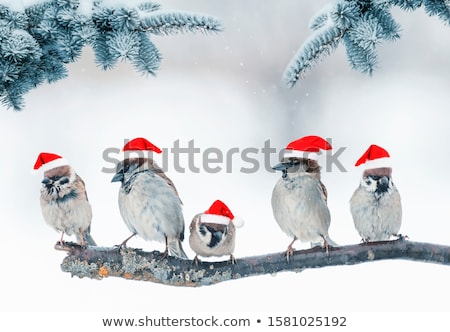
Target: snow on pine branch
x=361, y=25
x=322, y=43
x=164, y=23
x=39, y=38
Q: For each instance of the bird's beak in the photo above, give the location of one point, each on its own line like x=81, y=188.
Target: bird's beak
x=281, y=167
x=117, y=177
x=383, y=184
x=46, y=181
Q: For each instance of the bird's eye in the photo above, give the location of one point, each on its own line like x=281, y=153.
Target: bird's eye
x=375, y=177
x=64, y=180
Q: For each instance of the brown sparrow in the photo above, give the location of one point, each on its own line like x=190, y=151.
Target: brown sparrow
x=148, y=201
x=299, y=198
x=64, y=202
x=213, y=232
x=375, y=205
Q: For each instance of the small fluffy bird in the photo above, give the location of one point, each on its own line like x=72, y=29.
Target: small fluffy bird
x=148, y=201
x=64, y=202
x=299, y=198
x=375, y=205
x=213, y=232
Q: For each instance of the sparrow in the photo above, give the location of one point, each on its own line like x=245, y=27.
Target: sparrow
x=148, y=200
x=299, y=198
x=376, y=205
x=64, y=202
x=213, y=232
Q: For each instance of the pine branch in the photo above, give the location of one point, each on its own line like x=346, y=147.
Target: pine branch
x=440, y=8
x=135, y=264
x=37, y=43
x=165, y=23
x=322, y=44
x=362, y=25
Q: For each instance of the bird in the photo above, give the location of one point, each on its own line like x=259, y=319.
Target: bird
x=376, y=204
x=299, y=198
x=148, y=200
x=64, y=202
x=213, y=232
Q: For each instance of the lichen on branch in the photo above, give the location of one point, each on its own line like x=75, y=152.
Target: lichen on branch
x=135, y=264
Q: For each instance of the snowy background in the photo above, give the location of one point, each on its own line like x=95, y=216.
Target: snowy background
x=224, y=91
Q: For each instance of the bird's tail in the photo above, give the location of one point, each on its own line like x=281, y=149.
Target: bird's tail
x=86, y=238
x=330, y=242
x=176, y=249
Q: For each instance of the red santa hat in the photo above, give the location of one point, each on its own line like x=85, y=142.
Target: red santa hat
x=140, y=144
x=219, y=213
x=375, y=157
x=307, y=147
x=46, y=161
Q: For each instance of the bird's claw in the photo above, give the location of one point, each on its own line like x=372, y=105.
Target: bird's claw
x=289, y=253
x=401, y=237
x=165, y=254
x=196, y=260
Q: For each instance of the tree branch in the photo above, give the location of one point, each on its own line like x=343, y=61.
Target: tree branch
x=135, y=264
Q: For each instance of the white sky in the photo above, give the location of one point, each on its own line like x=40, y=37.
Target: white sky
x=225, y=91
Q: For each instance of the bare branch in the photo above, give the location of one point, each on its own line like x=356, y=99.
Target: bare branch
x=135, y=264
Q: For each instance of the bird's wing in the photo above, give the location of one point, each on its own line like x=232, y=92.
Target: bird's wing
x=324, y=191
x=157, y=170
